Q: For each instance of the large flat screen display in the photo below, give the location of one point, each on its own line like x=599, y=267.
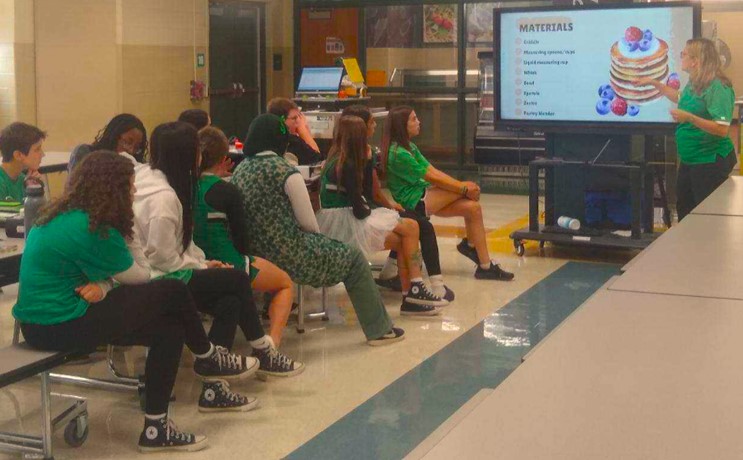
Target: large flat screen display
x=580, y=67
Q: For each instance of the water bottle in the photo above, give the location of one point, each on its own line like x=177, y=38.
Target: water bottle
x=569, y=223
x=34, y=201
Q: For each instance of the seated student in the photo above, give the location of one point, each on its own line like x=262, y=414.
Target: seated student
x=301, y=144
x=21, y=147
x=420, y=187
x=124, y=133
x=164, y=217
x=219, y=230
x=283, y=229
x=347, y=216
x=429, y=246
x=66, y=301
x=196, y=117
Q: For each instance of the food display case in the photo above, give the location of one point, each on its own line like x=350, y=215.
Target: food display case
x=432, y=93
x=417, y=78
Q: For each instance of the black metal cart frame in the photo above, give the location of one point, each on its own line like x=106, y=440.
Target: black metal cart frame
x=641, y=179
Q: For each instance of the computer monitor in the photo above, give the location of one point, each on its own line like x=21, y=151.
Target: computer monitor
x=320, y=79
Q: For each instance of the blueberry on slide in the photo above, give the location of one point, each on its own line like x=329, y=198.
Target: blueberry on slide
x=603, y=106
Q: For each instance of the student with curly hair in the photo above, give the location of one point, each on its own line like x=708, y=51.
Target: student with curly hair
x=220, y=231
x=67, y=302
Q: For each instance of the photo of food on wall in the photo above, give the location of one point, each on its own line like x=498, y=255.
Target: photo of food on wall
x=439, y=23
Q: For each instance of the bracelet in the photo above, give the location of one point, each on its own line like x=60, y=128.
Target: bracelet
x=464, y=190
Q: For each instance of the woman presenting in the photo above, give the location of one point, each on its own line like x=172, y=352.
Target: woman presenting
x=705, y=109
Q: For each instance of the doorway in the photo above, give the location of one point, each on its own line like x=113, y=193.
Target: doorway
x=237, y=52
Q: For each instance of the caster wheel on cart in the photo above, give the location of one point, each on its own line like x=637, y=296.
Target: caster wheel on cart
x=519, y=246
x=76, y=432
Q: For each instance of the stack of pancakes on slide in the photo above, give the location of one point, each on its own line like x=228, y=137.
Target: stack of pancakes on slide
x=628, y=66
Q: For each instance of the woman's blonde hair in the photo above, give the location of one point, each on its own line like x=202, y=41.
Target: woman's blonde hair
x=710, y=66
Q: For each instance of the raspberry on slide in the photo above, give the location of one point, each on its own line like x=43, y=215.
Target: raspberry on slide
x=619, y=106
x=633, y=34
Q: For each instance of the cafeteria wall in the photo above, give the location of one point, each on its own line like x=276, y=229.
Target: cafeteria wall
x=279, y=42
x=70, y=66
x=730, y=31
x=17, y=72
x=97, y=58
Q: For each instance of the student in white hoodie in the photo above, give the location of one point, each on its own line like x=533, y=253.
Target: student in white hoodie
x=67, y=301
x=163, y=213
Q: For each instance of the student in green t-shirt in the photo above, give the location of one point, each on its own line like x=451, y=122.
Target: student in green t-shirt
x=21, y=147
x=67, y=301
x=347, y=215
x=389, y=276
x=705, y=110
x=420, y=187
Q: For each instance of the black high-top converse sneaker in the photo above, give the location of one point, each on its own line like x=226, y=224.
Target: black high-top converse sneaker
x=216, y=396
x=419, y=294
x=225, y=365
x=276, y=364
x=162, y=435
x=414, y=309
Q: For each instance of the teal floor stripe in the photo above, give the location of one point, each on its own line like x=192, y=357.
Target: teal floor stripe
x=394, y=421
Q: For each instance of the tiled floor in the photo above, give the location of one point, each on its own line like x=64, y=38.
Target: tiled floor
x=413, y=385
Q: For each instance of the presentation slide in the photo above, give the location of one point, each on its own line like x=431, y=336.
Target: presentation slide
x=583, y=65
